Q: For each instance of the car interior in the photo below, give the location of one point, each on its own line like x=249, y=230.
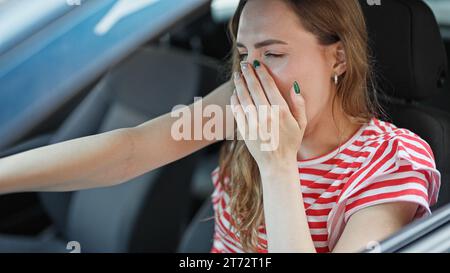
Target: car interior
x=169, y=209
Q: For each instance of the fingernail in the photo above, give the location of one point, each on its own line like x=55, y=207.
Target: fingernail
x=256, y=64
x=244, y=65
x=236, y=75
x=296, y=88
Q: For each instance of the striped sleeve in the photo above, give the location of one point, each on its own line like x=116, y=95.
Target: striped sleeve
x=405, y=171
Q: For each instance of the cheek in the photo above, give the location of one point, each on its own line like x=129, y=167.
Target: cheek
x=287, y=72
x=284, y=75
x=313, y=81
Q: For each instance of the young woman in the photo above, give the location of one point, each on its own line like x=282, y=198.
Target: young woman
x=340, y=177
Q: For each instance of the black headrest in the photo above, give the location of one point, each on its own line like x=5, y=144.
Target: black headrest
x=410, y=58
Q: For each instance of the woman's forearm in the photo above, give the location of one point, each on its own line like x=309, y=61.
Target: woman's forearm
x=156, y=146
x=92, y=161
x=285, y=217
x=105, y=159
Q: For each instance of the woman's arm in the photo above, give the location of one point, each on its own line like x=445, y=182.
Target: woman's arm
x=104, y=159
x=155, y=146
x=287, y=225
x=369, y=226
x=284, y=210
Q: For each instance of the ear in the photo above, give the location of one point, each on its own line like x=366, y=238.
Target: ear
x=339, y=59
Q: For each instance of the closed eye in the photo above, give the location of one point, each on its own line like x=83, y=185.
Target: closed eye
x=269, y=55
x=274, y=55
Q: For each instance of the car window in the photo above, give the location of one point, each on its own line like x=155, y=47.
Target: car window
x=222, y=10
x=441, y=9
x=21, y=18
x=49, y=62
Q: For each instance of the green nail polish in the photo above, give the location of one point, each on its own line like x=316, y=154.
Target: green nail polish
x=296, y=88
x=256, y=64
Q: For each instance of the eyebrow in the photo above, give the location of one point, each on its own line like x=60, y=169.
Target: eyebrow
x=264, y=43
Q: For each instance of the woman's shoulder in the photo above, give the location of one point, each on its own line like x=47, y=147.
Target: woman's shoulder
x=397, y=154
x=390, y=139
x=399, y=167
x=381, y=129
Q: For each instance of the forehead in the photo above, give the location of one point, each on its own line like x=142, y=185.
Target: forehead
x=262, y=18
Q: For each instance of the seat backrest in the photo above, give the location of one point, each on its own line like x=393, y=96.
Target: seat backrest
x=198, y=237
x=411, y=66
x=149, y=212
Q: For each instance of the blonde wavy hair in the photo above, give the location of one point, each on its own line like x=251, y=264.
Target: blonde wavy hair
x=330, y=21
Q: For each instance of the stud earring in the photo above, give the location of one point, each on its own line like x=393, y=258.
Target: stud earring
x=336, y=79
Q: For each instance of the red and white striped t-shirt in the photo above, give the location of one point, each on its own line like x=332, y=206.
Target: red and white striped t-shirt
x=380, y=163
